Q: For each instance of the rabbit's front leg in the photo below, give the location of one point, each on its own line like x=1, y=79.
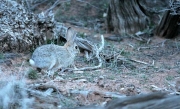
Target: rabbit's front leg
x=50, y=73
x=75, y=68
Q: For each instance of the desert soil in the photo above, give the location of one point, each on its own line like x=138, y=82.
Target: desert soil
x=141, y=66
x=137, y=65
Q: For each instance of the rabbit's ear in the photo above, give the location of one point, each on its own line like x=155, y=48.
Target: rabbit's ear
x=70, y=36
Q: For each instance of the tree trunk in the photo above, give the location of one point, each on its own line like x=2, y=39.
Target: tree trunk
x=126, y=16
x=168, y=26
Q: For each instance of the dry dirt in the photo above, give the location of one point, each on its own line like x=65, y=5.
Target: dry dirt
x=151, y=65
x=143, y=65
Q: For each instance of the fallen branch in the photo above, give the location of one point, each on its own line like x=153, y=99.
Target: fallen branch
x=147, y=47
x=95, y=50
x=45, y=95
x=102, y=94
x=38, y=4
x=89, y=4
x=137, y=38
x=55, y=4
x=141, y=62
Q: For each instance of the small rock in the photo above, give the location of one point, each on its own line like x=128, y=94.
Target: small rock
x=81, y=80
x=155, y=88
x=78, y=72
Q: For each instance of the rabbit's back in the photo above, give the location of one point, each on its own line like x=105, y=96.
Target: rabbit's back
x=52, y=57
x=45, y=56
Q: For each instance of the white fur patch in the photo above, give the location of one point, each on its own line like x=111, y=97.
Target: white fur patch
x=31, y=62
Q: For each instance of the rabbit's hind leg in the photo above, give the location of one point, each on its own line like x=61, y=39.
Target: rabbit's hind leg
x=47, y=74
x=53, y=63
x=50, y=71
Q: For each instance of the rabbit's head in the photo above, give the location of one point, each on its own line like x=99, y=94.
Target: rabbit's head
x=70, y=45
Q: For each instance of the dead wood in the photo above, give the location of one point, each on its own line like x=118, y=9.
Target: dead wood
x=102, y=94
x=156, y=100
x=114, y=38
x=125, y=17
x=48, y=95
x=169, y=24
x=95, y=52
x=22, y=30
x=7, y=57
x=55, y=4
x=149, y=101
x=36, y=3
x=88, y=107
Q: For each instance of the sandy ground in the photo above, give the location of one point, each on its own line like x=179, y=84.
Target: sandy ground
x=151, y=65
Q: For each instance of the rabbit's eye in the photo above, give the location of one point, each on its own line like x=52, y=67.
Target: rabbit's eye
x=76, y=47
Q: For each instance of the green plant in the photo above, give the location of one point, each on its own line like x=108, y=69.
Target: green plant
x=178, y=72
x=49, y=41
x=169, y=78
x=125, y=53
x=145, y=78
x=67, y=5
x=111, y=77
x=55, y=41
x=32, y=74
x=83, y=35
x=1, y=55
x=56, y=74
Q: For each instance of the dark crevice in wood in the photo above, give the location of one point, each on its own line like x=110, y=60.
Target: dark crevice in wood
x=168, y=26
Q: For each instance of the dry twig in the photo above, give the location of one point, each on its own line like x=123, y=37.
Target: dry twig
x=55, y=4
x=95, y=50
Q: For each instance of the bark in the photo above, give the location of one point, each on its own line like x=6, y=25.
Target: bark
x=156, y=100
x=22, y=30
x=147, y=101
x=168, y=26
x=126, y=16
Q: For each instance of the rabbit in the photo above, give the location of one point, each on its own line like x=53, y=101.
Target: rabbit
x=52, y=57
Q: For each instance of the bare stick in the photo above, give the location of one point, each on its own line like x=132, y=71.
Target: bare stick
x=101, y=93
x=27, y=3
x=139, y=39
x=37, y=4
x=89, y=4
x=147, y=47
x=55, y=4
x=139, y=61
x=96, y=51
